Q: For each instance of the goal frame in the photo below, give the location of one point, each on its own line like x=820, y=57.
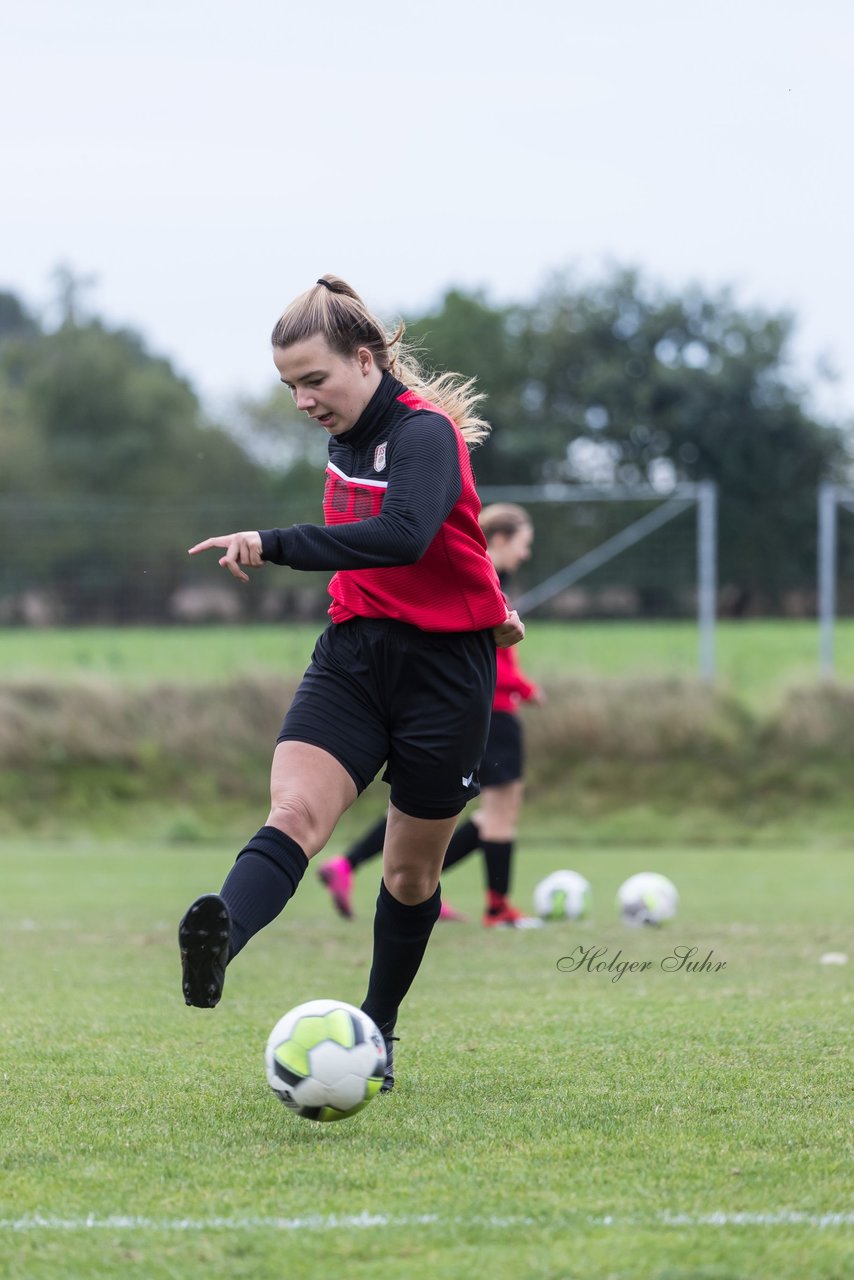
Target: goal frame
x=830, y=498
x=702, y=495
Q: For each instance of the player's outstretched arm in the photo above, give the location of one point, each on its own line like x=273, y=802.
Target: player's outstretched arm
x=241, y=548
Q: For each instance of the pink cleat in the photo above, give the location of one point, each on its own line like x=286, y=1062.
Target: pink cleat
x=447, y=912
x=337, y=875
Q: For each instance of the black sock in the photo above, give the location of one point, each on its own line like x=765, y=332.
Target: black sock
x=498, y=855
x=368, y=847
x=463, y=842
x=401, y=935
x=263, y=879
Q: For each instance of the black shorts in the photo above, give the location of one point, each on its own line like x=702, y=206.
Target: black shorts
x=380, y=692
x=504, y=757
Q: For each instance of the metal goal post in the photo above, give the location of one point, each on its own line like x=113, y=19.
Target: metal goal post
x=830, y=498
x=703, y=495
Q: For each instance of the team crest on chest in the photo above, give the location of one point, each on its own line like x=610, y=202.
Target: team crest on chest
x=379, y=456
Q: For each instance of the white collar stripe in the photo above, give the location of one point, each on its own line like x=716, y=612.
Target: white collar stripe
x=373, y=484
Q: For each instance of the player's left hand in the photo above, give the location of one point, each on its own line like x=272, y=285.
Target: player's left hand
x=510, y=631
x=242, y=548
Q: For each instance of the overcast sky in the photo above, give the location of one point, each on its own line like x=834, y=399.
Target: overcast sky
x=206, y=161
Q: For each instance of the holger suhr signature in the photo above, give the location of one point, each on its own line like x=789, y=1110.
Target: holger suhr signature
x=681, y=959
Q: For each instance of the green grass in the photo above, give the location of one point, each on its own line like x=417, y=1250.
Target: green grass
x=578, y=1111
x=756, y=660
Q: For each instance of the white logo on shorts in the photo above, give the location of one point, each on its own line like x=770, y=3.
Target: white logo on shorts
x=379, y=456
x=467, y=781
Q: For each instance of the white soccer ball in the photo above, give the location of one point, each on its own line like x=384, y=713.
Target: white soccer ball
x=564, y=895
x=647, y=898
x=325, y=1060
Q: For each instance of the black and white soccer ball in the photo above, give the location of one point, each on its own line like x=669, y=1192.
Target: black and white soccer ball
x=325, y=1060
x=563, y=895
x=647, y=898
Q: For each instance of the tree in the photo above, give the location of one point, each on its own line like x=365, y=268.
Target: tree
x=468, y=335
x=622, y=383
x=113, y=470
x=22, y=453
x=15, y=320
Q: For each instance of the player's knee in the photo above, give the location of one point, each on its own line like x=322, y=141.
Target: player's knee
x=497, y=826
x=295, y=816
x=410, y=885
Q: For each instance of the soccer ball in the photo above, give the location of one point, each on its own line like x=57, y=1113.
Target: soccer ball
x=325, y=1060
x=564, y=895
x=647, y=898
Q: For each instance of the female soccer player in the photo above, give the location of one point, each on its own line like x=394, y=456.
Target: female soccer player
x=509, y=533
x=403, y=675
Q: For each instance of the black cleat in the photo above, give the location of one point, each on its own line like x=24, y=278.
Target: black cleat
x=203, y=937
x=388, y=1079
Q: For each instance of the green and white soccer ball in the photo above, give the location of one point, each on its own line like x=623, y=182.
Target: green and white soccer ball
x=564, y=895
x=325, y=1060
x=647, y=898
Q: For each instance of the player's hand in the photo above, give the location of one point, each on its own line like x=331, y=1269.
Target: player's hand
x=241, y=548
x=510, y=631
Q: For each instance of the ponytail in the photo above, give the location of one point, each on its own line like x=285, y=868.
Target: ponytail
x=333, y=309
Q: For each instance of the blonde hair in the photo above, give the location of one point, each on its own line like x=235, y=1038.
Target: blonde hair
x=503, y=517
x=333, y=309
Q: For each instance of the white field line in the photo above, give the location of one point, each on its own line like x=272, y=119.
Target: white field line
x=336, y=1222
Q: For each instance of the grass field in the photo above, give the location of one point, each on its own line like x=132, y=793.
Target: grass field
x=756, y=660
x=546, y=1123
x=667, y=1125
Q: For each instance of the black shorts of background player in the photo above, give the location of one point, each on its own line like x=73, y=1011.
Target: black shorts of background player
x=493, y=827
x=417, y=614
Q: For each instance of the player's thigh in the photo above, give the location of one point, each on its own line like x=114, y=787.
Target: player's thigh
x=309, y=791
x=337, y=708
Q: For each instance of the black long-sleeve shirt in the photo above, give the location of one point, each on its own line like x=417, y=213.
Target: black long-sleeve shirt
x=401, y=521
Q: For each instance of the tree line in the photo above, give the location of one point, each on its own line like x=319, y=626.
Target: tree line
x=109, y=467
